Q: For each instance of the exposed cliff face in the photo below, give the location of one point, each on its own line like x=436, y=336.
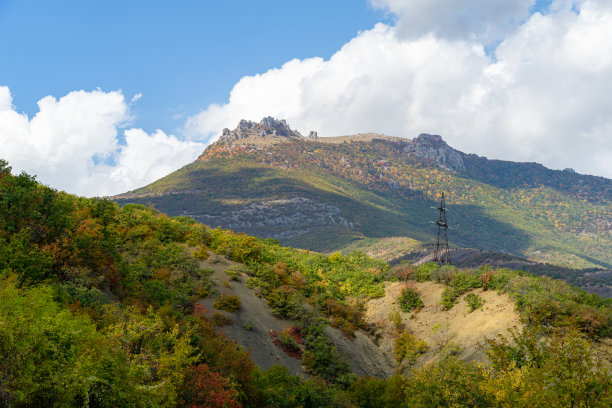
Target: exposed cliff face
x=267, y=131
x=279, y=219
x=433, y=148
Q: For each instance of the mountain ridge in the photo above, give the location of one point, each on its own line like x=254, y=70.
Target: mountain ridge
x=324, y=193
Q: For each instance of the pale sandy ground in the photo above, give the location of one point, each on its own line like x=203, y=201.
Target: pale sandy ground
x=438, y=328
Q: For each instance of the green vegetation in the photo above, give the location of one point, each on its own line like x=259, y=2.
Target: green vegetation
x=99, y=307
x=423, y=272
x=396, y=319
x=449, y=297
x=518, y=208
x=408, y=347
x=541, y=301
x=229, y=303
x=474, y=301
x=410, y=300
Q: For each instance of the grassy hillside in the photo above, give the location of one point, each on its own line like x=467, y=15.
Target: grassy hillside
x=103, y=306
x=381, y=191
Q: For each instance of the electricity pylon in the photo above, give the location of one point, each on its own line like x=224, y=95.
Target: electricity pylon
x=441, y=253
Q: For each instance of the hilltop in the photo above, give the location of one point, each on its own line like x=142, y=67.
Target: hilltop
x=330, y=193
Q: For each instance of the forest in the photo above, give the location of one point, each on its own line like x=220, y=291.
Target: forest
x=99, y=307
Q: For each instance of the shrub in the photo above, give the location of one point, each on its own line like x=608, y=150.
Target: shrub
x=229, y=303
x=499, y=279
x=449, y=296
x=463, y=281
x=233, y=273
x=247, y=326
x=474, y=301
x=404, y=271
x=444, y=274
x=201, y=253
x=220, y=319
x=448, y=383
x=450, y=349
x=408, y=347
x=205, y=388
x=289, y=343
x=204, y=273
x=282, y=301
x=485, y=278
x=396, y=319
x=423, y=272
x=410, y=300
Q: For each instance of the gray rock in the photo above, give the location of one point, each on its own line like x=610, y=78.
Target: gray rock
x=268, y=126
x=435, y=149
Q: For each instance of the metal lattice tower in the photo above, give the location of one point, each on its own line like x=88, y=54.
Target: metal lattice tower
x=441, y=253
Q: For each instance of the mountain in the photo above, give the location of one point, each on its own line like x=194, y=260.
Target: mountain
x=328, y=193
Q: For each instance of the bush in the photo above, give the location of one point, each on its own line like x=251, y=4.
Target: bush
x=423, y=272
x=220, y=319
x=233, y=273
x=404, y=271
x=474, y=301
x=448, y=383
x=205, y=388
x=444, y=274
x=201, y=253
x=229, y=303
x=408, y=347
x=396, y=319
x=410, y=300
x=464, y=281
x=449, y=297
x=499, y=279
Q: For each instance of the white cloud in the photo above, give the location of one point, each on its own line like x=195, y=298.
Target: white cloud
x=136, y=97
x=547, y=97
x=69, y=142
x=484, y=20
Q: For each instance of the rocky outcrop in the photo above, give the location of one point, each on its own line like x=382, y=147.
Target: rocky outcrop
x=434, y=148
x=313, y=135
x=279, y=219
x=268, y=127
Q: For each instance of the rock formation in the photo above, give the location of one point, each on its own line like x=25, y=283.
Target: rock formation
x=435, y=149
x=267, y=128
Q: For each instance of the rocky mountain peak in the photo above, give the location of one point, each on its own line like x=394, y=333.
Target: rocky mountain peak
x=267, y=128
x=434, y=148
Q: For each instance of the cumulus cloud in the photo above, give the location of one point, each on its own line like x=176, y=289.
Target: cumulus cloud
x=546, y=96
x=73, y=144
x=482, y=20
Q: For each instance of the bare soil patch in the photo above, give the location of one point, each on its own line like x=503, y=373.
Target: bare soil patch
x=456, y=331
x=253, y=322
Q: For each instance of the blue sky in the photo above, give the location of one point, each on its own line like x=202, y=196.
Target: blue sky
x=181, y=55
x=101, y=97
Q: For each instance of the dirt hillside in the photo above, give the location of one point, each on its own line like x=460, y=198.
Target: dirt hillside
x=455, y=331
x=254, y=314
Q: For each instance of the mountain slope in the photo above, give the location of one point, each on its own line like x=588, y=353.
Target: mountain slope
x=109, y=306
x=325, y=193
